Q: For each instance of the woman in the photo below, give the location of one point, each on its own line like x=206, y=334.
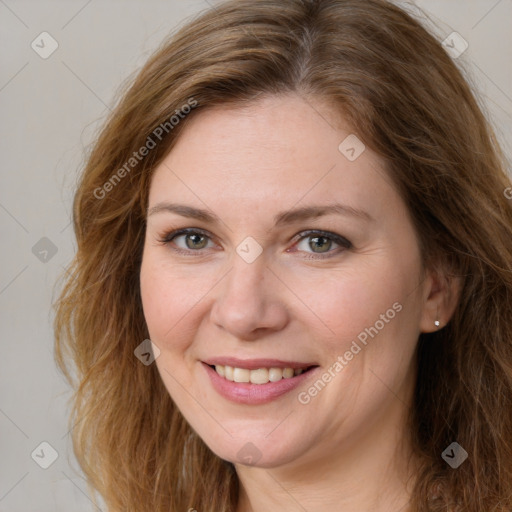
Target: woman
x=303, y=208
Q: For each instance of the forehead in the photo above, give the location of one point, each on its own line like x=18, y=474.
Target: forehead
x=279, y=148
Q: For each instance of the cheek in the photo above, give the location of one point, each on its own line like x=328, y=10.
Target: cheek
x=170, y=301
x=359, y=303
x=373, y=311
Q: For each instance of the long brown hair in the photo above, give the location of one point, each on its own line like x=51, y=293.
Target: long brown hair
x=409, y=102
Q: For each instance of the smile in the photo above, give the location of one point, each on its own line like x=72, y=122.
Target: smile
x=255, y=382
x=258, y=376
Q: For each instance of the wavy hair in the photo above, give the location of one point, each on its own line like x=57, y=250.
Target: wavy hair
x=395, y=84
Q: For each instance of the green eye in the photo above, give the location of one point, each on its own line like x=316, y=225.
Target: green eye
x=319, y=242
x=187, y=239
x=194, y=240
x=311, y=242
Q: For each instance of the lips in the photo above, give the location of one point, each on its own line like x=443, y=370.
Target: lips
x=257, y=371
x=255, y=381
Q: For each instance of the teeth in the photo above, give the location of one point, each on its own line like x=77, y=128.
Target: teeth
x=287, y=373
x=275, y=374
x=259, y=376
x=241, y=375
x=228, y=373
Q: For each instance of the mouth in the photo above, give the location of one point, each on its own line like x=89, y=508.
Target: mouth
x=258, y=376
x=256, y=381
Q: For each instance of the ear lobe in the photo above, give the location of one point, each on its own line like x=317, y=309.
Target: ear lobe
x=442, y=294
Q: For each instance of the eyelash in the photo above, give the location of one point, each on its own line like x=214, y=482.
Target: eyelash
x=344, y=244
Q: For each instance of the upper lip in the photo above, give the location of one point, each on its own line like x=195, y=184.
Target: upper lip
x=254, y=364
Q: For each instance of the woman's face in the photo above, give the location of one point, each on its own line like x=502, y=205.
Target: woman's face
x=300, y=271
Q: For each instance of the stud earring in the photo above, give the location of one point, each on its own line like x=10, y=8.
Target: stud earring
x=437, y=323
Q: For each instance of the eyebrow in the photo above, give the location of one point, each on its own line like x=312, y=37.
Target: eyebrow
x=284, y=217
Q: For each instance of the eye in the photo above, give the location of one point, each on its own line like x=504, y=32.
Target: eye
x=187, y=240
x=321, y=242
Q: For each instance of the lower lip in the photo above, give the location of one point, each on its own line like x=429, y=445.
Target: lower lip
x=254, y=394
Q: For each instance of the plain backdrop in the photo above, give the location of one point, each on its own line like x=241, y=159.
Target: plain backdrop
x=50, y=109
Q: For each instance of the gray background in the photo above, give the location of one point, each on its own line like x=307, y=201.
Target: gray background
x=50, y=109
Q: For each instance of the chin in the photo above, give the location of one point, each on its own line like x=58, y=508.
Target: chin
x=257, y=451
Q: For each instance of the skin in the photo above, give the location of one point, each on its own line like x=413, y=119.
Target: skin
x=348, y=448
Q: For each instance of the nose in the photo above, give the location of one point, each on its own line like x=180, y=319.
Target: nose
x=249, y=301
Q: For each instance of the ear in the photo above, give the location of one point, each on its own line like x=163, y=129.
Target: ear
x=441, y=296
